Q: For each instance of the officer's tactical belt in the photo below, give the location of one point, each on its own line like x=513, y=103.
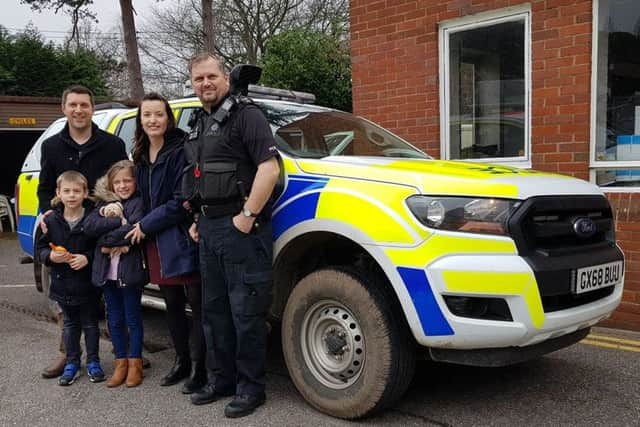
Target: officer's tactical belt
x=222, y=209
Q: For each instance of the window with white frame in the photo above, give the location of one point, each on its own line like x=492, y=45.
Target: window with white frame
x=484, y=91
x=615, y=124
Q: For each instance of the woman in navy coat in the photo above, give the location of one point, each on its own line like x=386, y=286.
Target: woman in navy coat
x=172, y=255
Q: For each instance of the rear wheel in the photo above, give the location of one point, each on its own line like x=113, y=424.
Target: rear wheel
x=37, y=274
x=347, y=351
x=38, y=267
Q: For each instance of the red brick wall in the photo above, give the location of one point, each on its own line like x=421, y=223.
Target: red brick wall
x=395, y=61
x=626, y=211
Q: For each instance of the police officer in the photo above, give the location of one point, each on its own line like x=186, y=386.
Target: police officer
x=234, y=170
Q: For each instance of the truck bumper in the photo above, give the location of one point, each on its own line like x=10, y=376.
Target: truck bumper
x=509, y=278
x=504, y=356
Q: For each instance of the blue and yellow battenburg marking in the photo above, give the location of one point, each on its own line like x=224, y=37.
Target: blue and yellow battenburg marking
x=28, y=184
x=308, y=197
x=375, y=207
x=298, y=203
x=431, y=318
x=490, y=283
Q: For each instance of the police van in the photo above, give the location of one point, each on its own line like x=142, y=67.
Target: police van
x=383, y=255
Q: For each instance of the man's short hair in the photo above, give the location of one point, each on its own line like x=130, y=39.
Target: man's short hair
x=82, y=90
x=204, y=56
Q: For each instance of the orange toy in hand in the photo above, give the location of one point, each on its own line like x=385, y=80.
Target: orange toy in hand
x=57, y=248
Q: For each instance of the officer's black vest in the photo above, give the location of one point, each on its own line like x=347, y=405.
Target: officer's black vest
x=222, y=178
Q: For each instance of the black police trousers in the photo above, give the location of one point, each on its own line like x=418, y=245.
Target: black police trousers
x=236, y=270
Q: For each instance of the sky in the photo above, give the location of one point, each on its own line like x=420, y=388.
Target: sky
x=16, y=16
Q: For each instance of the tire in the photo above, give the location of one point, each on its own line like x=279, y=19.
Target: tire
x=346, y=349
x=38, y=267
x=37, y=274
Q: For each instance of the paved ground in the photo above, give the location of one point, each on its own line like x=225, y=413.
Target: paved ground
x=29, y=400
x=596, y=382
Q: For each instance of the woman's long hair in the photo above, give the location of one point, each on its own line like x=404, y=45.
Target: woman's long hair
x=141, y=140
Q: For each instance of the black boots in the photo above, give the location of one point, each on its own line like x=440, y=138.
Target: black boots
x=180, y=370
x=197, y=379
x=209, y=393
x=244, y=404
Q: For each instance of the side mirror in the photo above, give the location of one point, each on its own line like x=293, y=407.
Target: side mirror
x=242, y=76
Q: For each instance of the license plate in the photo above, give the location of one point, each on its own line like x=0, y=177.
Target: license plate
x=597, y=276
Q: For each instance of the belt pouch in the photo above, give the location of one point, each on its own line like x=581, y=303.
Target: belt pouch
x=219, y=181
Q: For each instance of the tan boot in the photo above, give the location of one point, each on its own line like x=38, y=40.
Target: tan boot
x=56, y=367
x=134, y=376
x=119, y=373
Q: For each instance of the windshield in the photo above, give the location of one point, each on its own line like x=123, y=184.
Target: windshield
x=313, y=132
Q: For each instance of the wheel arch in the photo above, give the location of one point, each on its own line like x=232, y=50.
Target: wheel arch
x=311, y=251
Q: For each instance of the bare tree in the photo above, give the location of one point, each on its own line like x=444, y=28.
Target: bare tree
x=242, y=27
x=107, y=46
x=253, y=22
x=207, y=26
x=136, y=89
x=325, y=16
x=168, y=38
x=77, y=9
x=170, y=35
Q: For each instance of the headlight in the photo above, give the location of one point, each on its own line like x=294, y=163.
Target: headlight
x=473, y=215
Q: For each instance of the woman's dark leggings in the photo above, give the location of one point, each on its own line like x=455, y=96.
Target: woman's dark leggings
x=181, y=328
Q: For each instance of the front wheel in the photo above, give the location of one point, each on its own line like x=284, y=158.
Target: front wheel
x=347, y=351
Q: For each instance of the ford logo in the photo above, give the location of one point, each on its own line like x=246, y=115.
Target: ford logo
x=584, y=227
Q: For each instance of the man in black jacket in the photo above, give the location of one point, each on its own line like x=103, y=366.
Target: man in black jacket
x=80, y=146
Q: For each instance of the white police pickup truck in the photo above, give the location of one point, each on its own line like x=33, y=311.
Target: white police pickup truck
x=383, y=254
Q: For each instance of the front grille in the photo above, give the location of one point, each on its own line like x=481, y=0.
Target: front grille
x=546, y=224
x=543, y=230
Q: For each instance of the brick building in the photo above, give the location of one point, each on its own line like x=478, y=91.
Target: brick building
x=552, y=85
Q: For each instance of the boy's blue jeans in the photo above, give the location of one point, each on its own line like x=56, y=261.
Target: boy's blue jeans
x=78, y=319
x=124, y=311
